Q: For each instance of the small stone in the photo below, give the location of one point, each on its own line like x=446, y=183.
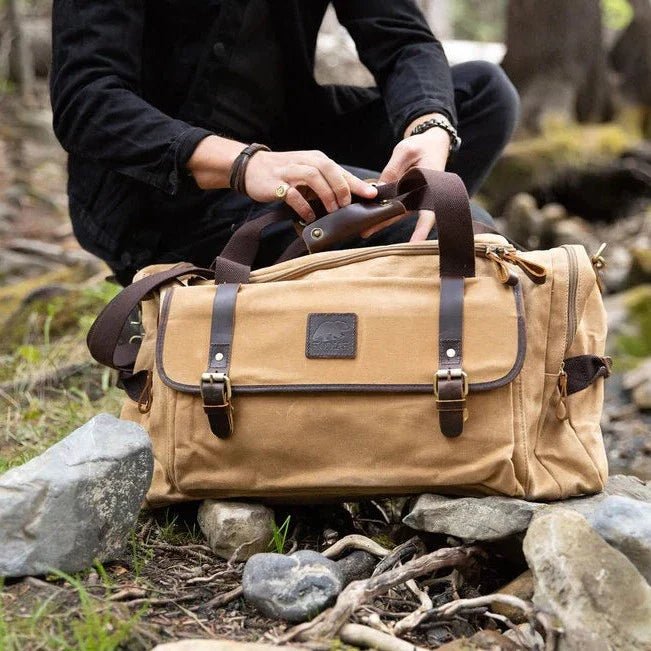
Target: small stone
x=471, y=518
x=521, y=587
x=76, y=502
x=236, y=530
x=594, y=591
x=625, y=524
x=527, y=634
x=295, y=588
x=496, y=517
x=357, y=566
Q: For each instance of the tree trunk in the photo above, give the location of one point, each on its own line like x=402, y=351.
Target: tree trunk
x=631, y=55
x=24, y=63
x=556, y=58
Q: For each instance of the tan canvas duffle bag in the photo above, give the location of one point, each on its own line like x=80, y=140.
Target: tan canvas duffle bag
x=460, y=366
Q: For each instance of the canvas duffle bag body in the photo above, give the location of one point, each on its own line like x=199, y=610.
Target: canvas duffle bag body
x=460, y=366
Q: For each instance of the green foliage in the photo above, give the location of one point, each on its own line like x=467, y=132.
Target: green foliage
x=617, y=14
x=279, y=536
x=97, y=628
x=479, y=20
x=140, y=555
x=173, y=532
x=635, y=344
x=91, y=625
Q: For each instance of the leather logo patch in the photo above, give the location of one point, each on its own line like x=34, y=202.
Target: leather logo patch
x=331, y=336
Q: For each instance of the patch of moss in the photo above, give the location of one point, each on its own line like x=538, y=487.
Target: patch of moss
x=51, y=311
x=637, y=345
x=533, y=161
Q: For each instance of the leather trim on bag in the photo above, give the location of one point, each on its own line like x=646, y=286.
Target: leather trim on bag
x=343, y=388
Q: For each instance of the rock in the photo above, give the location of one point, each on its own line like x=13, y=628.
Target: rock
x=495, y=517
x=217, y=645
x=595, y=592
x=625, y=524
x=638, y=382
x=295, y=587
x=471, y=518
x=575, y=230
x=534, y=640
x=640, y=271
x=356, y=566
x=521, y=587
x=77, y=501
x=524, y=222
x=236, y=530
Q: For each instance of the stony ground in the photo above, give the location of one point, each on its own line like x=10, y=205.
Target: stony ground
x=169, y=585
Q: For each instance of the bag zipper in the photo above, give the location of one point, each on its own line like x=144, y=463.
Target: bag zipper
x=370, y=253
x=573, y=284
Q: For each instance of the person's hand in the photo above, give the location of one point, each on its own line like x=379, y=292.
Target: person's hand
x=308, y=174
x=429, y=149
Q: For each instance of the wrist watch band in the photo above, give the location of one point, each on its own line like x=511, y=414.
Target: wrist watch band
x=441, y=123
x=238, y=170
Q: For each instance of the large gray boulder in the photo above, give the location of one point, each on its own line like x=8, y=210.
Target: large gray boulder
x=295, y=587
x=495, y=517
x=76, y=502
x=236, y=530
x=625, y=524
x=600, y=599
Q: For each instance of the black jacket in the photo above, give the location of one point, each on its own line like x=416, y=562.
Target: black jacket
x=136, y=84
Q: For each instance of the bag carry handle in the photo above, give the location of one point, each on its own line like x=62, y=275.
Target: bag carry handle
x=418, y=189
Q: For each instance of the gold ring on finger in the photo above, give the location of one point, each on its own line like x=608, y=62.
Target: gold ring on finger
x=281, y=190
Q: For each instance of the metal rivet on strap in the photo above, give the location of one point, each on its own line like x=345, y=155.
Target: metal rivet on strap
x=219, y=357
x=317, y=233
x=450, y=352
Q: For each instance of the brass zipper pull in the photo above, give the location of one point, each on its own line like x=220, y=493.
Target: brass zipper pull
x=535, y=272
x=598, y=263
x=562, y=408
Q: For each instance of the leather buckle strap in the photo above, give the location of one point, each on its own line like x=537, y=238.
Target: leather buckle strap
x=216, y=394
x=450, y=390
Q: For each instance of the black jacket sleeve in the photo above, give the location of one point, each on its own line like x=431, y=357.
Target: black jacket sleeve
x=396, y=44
x=95, y=91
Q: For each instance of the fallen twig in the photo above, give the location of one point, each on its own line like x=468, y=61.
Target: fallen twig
x=412, y=547
x=413, y=619
x=355, y=541
x=367, y=637
x=328, y=623
x=223, y=599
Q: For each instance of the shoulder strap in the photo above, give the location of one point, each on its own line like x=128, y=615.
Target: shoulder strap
x=104, y=335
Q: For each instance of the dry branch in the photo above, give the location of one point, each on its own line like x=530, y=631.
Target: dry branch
x=367, y=637
x=355, y=541
x=328, y=624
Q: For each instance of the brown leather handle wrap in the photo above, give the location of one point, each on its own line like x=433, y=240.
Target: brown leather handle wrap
x=418, y=189
x=348, y=222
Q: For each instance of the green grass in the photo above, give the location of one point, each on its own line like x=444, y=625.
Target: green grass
x=174, y=532
x=60, y=623
x=279, y=536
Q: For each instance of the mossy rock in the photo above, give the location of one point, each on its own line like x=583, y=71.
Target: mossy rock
x=534, y=161
x=45, y=311
x=640, y=267
x=637, y=344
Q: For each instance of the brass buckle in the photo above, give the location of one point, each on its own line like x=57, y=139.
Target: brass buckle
x=217, y=378
x=450, y=374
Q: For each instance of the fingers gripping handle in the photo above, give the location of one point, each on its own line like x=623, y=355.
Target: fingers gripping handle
x=419, y=189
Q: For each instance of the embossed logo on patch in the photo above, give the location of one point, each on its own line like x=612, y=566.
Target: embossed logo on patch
x=331, y=335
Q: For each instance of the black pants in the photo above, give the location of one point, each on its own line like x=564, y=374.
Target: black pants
x=359, y=137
